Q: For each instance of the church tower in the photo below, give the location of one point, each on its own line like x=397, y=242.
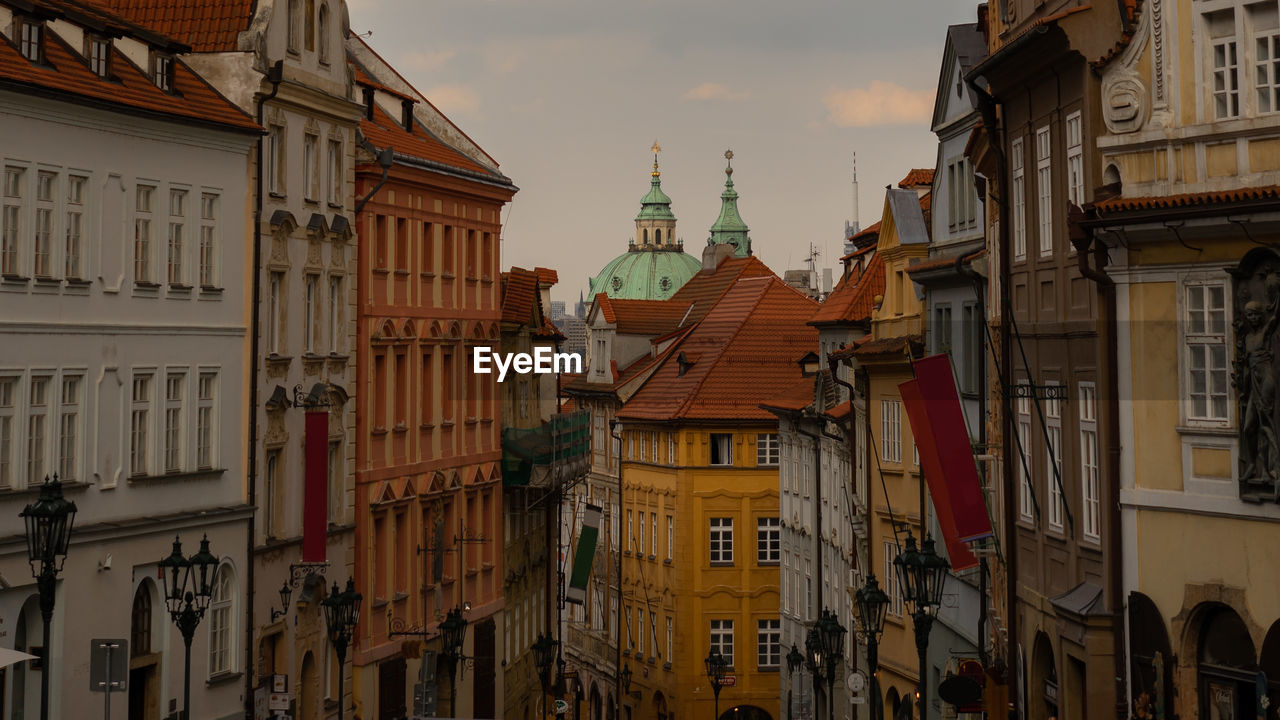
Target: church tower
x=729, y=229
x=655, y=223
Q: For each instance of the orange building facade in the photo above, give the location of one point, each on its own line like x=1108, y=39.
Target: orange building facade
x=428, y=493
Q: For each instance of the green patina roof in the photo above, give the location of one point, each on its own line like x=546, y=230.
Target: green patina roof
x=645, y=274
x=655, y=205
x=729, y=229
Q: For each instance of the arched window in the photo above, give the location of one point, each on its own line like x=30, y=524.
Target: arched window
x=657, y=236
x=324, y=32
x=1227, y=665
x=140, y=623
x=309, y=22
x=646, y=236
x=222, y=621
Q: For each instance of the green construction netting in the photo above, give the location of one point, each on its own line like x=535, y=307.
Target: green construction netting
x=563, y=438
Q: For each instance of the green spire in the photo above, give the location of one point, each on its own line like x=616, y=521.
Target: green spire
x=655, y=205
x=729, y=228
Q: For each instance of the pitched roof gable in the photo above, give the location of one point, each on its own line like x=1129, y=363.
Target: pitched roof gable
x=205, y=25
x=519, y=296
x=853, y=300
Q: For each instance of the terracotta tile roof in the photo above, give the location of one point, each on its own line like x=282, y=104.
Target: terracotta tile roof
x=1170, y=202
x=746, y=349
x=362, y=78
x=130, y=89
x=568, y=404
x=883, y=346
x=853, y=300
x=383, y=131
x=706, y=287
x=603, y=302
x=642, y=317
x=549, y=331
x=841, y=411
x=864, y=240
x=519, y=296
x=205, y=25
x=547, y=276
x=943, y=263
x=579, y=383
x=795, y=398
x=918, y=177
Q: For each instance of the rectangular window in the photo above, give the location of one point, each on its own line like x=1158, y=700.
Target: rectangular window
x=46, y=189
x=892, y=583
x=162, y=75
x=891, y=430
x=1075, y=160
x=974, y=339
x=639, y=441
x=722, y=639
x=311, y=166
x=337, y=483
x=139, y=425
x=208, y=240
x=76, y=186
x=671, y=449
x=670, y=634
x=768, y=540
x=12, y=221
x=1053, y=460
x=639, y=632
x=8, y=403
x=671, y=536
x=767, y=449
x=769, y=644
x=640, y=532
x=275, y=307
x=1044, y=190
x=1205, y=343
x=1019, y=192
x=275, y=160
x=100, y=56
x=177, y=232
x=721, y=449
x=205, y=430
x=721, y=541
x=631, y=533
x=69, y=429
x=32, y=33
x=1224, y=64
x=942, y=328
x=273, y=497
x=335, y=172
x=37, y=429
x=142, y=234
x=1267, y=82
x=653, y=634
x=1027, y=504
x=1089, y=478
x=335, y=315
x=173, y=389
x=311, y=319
x=653, y=534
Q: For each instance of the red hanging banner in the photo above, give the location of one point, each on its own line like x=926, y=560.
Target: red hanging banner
x=946, y=457
x=315, y=500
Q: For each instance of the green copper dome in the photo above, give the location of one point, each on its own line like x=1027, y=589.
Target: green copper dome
x=729, y=228
x=645, y=274
x=655, y=205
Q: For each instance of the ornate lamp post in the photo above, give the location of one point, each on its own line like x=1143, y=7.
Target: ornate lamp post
x=453, y=632
x=716, y=665
x=814, y=661
x=794, y=661
x=626, y=680
x=872, y=605
x=831, y=635
x=544, y=652
x=923, y=573
x=49, y=521
x=188, y=587
x=341, y=613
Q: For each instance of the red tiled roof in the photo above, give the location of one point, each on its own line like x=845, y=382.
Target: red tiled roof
x=916, y=178
x=549, y=331
x=547, y=276
x=642, y=317
x=747, y=348
x=568, y=404
x=841, y=411
x=519, y=295
x=205, y=25
x=706, y=287
x=943, y=262
x=362, y=78
x=853, y=300
x=383, y=131
x=129, y=89
x=603, y=302
x=1170, y=202
x=796, y=397
x=864, y=239
x=883, y=346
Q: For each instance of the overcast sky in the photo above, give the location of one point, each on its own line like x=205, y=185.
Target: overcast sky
x=568, y=96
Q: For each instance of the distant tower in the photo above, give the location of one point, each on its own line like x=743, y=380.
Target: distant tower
x=729, y=229
x=854, y=226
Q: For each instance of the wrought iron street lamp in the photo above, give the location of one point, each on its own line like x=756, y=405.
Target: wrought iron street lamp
x=831, y=634
x=716, y=664
x=49, y=520
x=453, y=633
x=794, y=661
x=923, y=573
x=188, y=587
x=814, y=661
x=873, y=603
x=544, y=653
x=341, y=613
x=626, y=680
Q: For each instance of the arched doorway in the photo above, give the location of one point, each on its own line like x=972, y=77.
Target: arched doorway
x=892, y=702
x=1269, y=661
x=308, y=689
x=1150, y=650
x=745, y=712
x=596, y=705
x=145, y=654
x=1042, y=691
x=660, y=705
x=27, y=636
x=1227, y=667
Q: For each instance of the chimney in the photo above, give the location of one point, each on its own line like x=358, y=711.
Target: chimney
x=713, y=254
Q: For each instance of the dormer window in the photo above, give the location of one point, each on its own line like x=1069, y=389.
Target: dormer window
x=99, y=54
x=162, y=71
x=31, y=33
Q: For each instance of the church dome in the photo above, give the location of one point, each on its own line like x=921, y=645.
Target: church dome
x=655, y=264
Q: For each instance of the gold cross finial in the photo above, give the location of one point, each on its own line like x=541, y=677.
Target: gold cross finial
x=656, y=147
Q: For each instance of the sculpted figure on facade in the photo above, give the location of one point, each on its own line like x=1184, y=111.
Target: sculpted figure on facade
x=1257, y=306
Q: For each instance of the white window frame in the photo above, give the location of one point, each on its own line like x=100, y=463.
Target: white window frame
x=311, y=166
x=767, y=450
x=208, y=265
x=722, y=639
x=1090, y=477
x=144, y=204
x=1044, y=189
x=768, y=644
x=70, y=421
x=1075, y=158
x=639, y=632
x=1053, y=460
x=1018, y=189
x=653, y=534
x=177, y=235
x=141, y=394
x=671, y=536
x=891, y=430
x=1208, y=343
x=44, y=230
x=892, y=583
x=11, y=387
x=768, y=540
x=336, y=179
x=11, y=235
x=73, y=216
x=720, y=545
x=275, y=301
x=724, y=442
x=670, y=634
x=40, y=394
x=1026, y=498
x=175, y=391
x=206, y=419
x=311, y=314
x=222, y=622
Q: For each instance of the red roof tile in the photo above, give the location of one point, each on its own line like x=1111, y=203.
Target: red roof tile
x=519, y=295
x=1170, y=202
x=918, y=177
x=943, y=262
x=205, y=25
x=853, y=300
x=747, y=349
x=841, y=411
x=883, y=346
x=795, y=398
x=642, y=317
x=568, y=404
x=549, y=331
x=706, y=287
x=547, y=276
x=130, y=89
x=383, y=131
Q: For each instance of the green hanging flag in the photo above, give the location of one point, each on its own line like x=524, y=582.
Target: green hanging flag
x=583, y=556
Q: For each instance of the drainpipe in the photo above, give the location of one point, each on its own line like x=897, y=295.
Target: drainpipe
x=834, y=365
x=1082, y=239
x=275, y=75
x=614, y=426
